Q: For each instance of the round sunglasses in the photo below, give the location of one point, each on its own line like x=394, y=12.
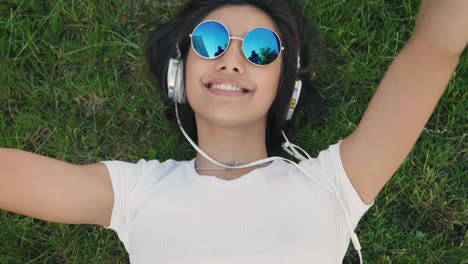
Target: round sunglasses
x=211, y=39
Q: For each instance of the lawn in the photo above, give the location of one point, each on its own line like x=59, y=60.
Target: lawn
x=74, y=86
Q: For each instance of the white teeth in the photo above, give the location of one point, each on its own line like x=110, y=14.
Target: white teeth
x=226, y=87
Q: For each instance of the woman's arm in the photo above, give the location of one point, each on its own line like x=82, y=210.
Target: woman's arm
x=54, y=190
x=406, y=97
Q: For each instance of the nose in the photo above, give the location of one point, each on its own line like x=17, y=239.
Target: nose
x=233, y=59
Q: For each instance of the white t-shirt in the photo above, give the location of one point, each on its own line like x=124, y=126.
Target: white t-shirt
x=165, y=212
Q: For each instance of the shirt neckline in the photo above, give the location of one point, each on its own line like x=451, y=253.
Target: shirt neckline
x=216, y=180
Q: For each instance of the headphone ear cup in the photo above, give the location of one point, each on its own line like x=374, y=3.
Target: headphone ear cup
x=179, y=95
x=172, y=70
x=175, y=81
x=294, y=99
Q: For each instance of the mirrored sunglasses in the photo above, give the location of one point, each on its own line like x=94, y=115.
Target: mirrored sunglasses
x=211, y=39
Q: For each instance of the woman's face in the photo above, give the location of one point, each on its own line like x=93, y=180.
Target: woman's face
x=206, y=78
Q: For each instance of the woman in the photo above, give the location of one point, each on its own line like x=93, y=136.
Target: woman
x=198, y=211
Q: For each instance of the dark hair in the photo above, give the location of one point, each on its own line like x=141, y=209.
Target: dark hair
x=296, y=33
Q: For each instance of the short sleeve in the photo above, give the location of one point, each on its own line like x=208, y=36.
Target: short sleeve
x=329, y=160
x=126, y=180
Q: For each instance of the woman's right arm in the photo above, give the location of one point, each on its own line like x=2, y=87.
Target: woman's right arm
x=53, y=190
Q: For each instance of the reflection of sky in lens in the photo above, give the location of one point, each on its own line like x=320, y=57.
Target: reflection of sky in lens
x=261, y=38
x=209, y=36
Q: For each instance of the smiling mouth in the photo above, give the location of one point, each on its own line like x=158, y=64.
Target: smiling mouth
x=226, y=88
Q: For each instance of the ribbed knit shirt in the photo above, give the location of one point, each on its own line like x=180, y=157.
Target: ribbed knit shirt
x=165, y=212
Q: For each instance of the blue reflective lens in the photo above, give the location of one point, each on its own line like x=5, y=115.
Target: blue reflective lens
x=262, y=46
x=210, y=39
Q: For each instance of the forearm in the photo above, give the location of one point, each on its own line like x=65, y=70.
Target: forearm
x=408, y=94
x=396, y=115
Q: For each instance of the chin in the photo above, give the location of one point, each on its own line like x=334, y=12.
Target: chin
x=232, y=121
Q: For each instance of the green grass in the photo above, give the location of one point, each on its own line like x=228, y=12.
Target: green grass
x=74, y=86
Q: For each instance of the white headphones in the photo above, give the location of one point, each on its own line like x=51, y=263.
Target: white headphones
x=176, y=87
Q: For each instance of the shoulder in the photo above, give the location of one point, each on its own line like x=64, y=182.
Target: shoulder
x=129, y=173
x=329, y=167
x=142, y=165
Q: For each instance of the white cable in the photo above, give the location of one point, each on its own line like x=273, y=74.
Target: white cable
x=289, y=148
x=353, y=235
x=255, y=163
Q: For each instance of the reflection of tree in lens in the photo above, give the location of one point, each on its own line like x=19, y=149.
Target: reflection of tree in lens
x=267, y=55
x=220, y=50
x=254, y=57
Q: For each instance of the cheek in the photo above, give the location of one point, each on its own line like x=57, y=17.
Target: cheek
x=272, y=80
x=190, y=68
x=193, y=69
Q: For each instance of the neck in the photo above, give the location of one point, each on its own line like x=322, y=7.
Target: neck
x=230, y=144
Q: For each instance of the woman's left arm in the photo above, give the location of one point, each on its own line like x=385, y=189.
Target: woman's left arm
x=406, y=97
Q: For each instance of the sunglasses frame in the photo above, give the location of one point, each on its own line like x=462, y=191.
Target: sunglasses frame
x=238, y=38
